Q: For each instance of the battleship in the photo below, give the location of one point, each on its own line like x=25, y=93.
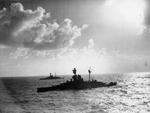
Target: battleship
x=51, y=77
x=77, y=83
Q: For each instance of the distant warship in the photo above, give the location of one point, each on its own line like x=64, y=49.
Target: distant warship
x=77, y=83
x=51, y=77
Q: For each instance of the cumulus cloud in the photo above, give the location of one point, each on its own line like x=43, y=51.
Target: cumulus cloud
x=16, y=20
x=91, y=43
x=30, y=29
x=27, y=53
x=109, y=2
x=20, y=52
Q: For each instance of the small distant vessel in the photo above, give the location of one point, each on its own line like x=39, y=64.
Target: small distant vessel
x=77, y=83
x=51, y=77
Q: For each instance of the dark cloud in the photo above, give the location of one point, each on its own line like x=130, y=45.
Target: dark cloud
x=147, y=13
x=146, y=23
x=28, y=28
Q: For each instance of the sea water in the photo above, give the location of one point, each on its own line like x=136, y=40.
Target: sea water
x=131, y=95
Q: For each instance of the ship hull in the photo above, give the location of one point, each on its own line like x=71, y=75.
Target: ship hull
x=76, y=86
x=50, y=78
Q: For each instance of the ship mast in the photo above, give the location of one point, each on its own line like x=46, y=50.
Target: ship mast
x=89, y=73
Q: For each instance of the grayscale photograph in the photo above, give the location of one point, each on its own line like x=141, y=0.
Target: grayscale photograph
x=74, y=56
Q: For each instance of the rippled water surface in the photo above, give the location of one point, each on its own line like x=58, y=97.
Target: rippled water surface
x=131, y=95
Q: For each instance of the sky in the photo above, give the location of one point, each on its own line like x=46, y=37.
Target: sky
x=42, y=36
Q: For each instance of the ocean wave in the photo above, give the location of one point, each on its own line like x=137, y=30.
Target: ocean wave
x=131, y=95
